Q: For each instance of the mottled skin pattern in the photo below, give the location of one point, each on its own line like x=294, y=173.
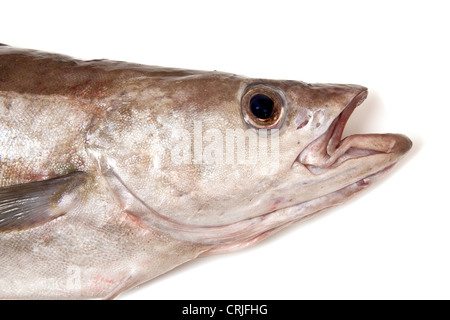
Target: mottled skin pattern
x=136, y=213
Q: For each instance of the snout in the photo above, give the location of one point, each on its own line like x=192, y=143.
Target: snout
x=329, y=150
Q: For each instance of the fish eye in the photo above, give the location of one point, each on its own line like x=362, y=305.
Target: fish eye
x=263, y=107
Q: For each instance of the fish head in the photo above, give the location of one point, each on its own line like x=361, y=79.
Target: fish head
x=224, y=161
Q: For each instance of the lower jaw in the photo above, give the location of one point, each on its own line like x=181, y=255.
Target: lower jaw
x=282, y=218
x=309, y=208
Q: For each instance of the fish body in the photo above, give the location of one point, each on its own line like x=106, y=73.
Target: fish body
x=113, y=173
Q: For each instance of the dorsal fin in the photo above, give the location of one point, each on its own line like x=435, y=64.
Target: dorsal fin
x=28, y=205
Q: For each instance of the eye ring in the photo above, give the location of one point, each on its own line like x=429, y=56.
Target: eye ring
x=263, y=107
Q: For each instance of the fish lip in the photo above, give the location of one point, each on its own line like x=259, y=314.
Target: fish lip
x=339, y=123
x=329, y=150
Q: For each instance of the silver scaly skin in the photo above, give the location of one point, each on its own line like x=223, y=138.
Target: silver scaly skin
x=113, y=173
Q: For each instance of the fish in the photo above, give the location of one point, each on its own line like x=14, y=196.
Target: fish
x=113, y=173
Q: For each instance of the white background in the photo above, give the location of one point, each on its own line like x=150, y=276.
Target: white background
x=390, y=242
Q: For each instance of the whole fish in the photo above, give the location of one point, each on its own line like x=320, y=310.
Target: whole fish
x=113, y=173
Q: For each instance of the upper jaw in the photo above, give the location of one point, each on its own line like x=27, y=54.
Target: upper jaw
x=330, y=151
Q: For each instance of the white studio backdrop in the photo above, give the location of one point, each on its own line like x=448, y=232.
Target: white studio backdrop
x=390, y=242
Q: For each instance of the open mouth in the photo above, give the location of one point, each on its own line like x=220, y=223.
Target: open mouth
x=330, y=150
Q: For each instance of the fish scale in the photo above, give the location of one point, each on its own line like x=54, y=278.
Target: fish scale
x=113, y=173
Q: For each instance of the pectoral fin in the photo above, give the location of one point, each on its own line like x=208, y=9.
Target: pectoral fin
x=32, y=204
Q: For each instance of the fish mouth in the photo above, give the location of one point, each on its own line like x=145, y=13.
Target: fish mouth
x=329, y=150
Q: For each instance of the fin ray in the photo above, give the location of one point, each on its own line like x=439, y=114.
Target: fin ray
x=28, y=205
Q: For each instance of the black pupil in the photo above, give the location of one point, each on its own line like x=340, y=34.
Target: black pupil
x=261, y=106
